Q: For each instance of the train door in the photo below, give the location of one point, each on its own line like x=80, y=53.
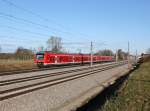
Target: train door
x=73, y=59
x=55, y=59
x=82, y=59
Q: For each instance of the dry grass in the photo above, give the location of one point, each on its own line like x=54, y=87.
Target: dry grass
x=135, y=94
x=146, y=59
x=9, y=65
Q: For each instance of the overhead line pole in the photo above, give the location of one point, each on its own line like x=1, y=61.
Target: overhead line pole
x=9, y=2
x=91, y=63
x=136, y=56
x=117, y=55
x=128, y=55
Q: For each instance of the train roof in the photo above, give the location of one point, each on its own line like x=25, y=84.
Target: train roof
x=40, y=52
x=67, y=54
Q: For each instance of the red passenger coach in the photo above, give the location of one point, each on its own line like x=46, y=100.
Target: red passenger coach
x=44, y=58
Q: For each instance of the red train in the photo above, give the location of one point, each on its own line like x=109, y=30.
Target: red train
x=45, y=58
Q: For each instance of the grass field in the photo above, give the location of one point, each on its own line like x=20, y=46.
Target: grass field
x=9, y=65
x=134, y=95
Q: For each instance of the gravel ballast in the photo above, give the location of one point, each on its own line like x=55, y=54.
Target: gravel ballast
x=55, y=97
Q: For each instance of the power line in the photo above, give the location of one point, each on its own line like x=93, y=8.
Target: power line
x=27, y=31
x=71, y=45
x=26, y=21
x=75, y=43
x=31, y=12
x=10, y=45
x=39, y=28
x=8, y=37
x=23, y=9
x=39, y=16
x=31, y=22
x=28, y=11
x=4, y=15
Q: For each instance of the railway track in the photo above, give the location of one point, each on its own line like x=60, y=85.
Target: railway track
x=3, y=73
x=19, y=86
x=34, y=69
x=23, y=79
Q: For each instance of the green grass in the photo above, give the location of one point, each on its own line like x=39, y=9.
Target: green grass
x=134, y=95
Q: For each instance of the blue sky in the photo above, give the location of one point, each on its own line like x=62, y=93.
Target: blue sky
x=112, y=22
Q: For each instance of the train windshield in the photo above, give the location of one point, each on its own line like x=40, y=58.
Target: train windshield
x=40, y=56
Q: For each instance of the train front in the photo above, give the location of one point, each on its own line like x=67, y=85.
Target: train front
x=39, y=58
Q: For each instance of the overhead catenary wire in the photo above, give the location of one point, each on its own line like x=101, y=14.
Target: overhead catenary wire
x=33, y=23
x=28, y=11
x=28, y=21
x=24, y=30
x=40, y=36
x=11, y=17
x=4, y=15
x=44, y=19
x=18, y=38
x=32, y=39
x=66, y=45
x=37, y=24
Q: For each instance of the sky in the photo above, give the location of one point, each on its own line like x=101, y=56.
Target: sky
x=109, y=24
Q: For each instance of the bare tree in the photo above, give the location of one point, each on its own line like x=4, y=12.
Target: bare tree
x=122, y=55
x=54, y=44
x=22, y=50
x=23, y=53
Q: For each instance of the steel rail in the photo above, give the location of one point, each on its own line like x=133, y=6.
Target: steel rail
x=11, y=81
x=14, y=72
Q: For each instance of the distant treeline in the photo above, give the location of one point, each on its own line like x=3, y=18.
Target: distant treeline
x=20, y=54
x=107, y=52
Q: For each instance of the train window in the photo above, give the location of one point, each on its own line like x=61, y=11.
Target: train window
x=40, y=56
x=84, y=58
x=60, y=59
x=76, y=58
x=70, y=58
x=52, y=59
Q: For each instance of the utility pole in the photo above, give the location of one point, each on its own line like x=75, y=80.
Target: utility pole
x=117, y=55
x=91, y=63
x=136, y=56
x=129, y=55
